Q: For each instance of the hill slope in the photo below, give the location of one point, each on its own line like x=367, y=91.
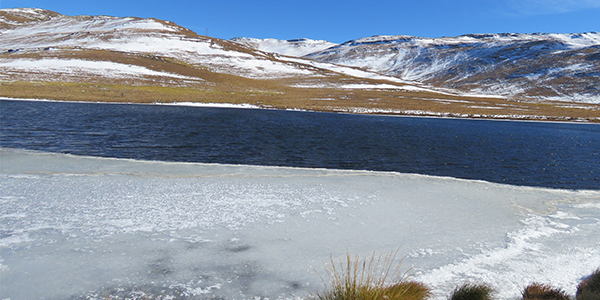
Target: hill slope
x=546, y=66
x=44, y=54
x=140, y=36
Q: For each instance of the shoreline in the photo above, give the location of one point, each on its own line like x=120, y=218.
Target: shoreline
x=366, y=112
x=326, y=172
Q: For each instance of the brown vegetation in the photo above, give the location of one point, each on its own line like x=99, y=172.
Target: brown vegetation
x=378, y=277
x=470, y=291
x=589, y=289
x=284, y=93
x=536, y=291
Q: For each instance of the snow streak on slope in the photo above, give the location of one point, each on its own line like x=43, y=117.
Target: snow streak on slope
x=551, y=66
x=296, y=47
x=49, y=68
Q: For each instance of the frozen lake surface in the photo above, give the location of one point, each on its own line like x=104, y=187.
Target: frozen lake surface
x=87, y=227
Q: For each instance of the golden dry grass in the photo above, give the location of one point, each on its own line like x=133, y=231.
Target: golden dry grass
x=282, y=97
x=283, y=93
x=374, y=278
x=471, y=291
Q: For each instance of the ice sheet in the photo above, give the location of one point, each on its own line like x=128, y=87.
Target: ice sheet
x=85, y=226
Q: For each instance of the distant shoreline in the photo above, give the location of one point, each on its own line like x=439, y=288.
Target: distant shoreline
x=391, y=113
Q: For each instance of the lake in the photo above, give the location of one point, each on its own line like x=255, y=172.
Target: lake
x=545, y=154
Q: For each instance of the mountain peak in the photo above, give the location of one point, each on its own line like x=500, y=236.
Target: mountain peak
x=12, y=17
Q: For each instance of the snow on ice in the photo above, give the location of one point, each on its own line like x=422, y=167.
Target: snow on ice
x=85, y=226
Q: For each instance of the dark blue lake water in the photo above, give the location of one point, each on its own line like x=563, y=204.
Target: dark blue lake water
x=557, y=155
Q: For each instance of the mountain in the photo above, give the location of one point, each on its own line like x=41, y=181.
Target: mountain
x=35, y=31
x=43, y=45
x=45, y=54
x=548, y=66
x=545, y=66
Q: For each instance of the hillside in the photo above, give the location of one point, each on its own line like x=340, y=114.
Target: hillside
x=563, y=67
x=544, y=66
x=45, y=54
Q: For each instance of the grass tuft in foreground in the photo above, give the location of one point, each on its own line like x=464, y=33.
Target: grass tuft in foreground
x=589, y=289
x=471, y=291
x=377, y=277
x=536, y=291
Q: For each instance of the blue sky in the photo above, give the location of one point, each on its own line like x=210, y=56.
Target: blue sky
x=340, y=21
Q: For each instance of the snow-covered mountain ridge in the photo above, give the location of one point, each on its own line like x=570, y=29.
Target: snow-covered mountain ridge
x=541, y=65
x=548, y=66
x=571, y=40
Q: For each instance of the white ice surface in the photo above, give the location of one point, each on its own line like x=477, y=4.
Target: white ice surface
x=86, y=226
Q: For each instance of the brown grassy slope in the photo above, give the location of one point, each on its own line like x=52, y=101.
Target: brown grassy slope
x=21, y=18
x=213, y=87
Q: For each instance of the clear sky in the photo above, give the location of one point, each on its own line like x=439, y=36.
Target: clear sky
x=342, y=20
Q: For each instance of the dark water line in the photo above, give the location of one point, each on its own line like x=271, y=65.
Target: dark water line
x=556, y=155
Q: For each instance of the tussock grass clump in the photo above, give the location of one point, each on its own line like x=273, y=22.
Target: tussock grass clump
x=378, y=277
x=536, y=291
x=471, y=291
x=589, y=289
x=408, y=290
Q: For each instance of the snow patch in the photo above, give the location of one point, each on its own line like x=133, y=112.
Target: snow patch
x=369, y=86
x=296, y=47
x=79, y=67
x=217, y=105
